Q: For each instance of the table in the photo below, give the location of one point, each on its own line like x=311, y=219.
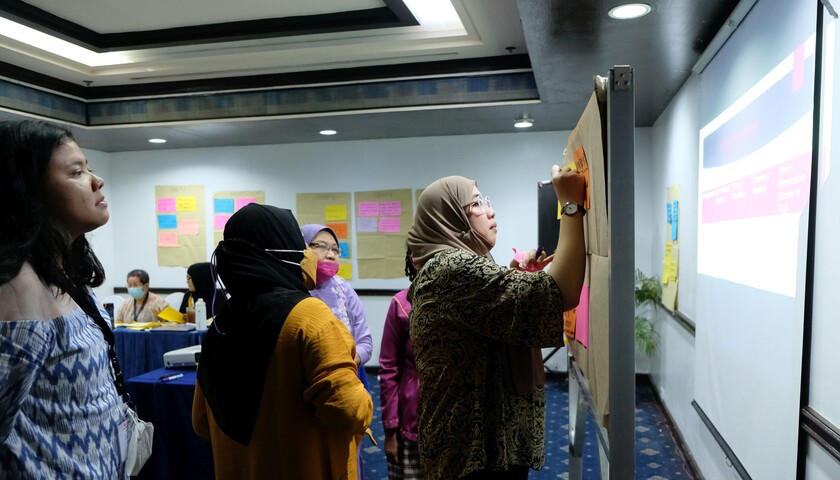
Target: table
x=177, y=452
x=141, y=351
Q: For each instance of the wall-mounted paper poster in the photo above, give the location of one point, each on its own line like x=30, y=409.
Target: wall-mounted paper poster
x=671, y=262
x=332, y=210
x=179, y=217
x=383, y=218
x=226, y=204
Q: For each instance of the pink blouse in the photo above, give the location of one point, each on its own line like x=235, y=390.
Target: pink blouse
x=398, y=381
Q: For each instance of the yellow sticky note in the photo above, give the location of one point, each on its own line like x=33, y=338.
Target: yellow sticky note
x=345, y=271
x=185, y=204
x=335, y=212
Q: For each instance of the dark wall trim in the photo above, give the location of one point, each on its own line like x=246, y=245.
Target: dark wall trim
x=680, y=440
x=394, y=14
x=821, y=431
x=730, y=455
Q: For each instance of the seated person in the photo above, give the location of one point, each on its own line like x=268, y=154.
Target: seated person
x=143, y=306
x=201, y=284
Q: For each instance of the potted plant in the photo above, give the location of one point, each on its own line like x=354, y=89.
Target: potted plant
x=648, y=290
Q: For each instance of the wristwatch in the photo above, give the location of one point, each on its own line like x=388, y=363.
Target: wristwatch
x=573, y=208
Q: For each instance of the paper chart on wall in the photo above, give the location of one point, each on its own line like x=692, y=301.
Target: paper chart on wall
x=671, y=261
x=383, y=218
x=333, y=210
x=226, y=204
x=179, y=217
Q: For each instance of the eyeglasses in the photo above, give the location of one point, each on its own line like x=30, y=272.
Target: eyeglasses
x=483, y=203
x=324, y=247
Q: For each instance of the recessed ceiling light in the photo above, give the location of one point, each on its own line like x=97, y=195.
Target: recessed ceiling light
x=629, y=11
x=327, y=132
x=157, y=140
x=524, y=122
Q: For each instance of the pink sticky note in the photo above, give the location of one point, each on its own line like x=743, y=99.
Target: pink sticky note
x=188, y=227
x=368, y=209
x=582, y=322
x=219, y=221
x=390, y=209
x=167, y=238
x=389, y=224
x=241, y=202
x=166, y=205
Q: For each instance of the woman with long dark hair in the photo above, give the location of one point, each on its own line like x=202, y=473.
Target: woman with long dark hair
x=60, y=409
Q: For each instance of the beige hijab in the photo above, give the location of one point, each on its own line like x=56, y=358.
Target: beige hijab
x=441, y=223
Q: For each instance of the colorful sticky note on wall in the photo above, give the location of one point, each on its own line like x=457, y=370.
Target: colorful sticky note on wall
x=335, y=213
x=223, y=205
x=167, y=221
x=345, y=249
x=166, y=205
x=390, y=209
x=168, y=238
x=241, y=202
x=389, y=224
x=188, y=227
x=340, y=229
x=345, y=271
x=219, y=222
x=185, y=204
x=367, y=224
x=368, y=209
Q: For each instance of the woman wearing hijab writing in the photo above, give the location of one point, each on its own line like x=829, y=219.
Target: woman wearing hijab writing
x=476, y=328
x=201, y=283
x=277, y=392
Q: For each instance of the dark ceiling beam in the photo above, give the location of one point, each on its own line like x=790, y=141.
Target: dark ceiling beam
x=394, y=14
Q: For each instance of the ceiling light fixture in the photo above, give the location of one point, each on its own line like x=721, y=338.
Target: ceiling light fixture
x=524, y=122
x=157, y=140
x=328, y=132
x=629, y=11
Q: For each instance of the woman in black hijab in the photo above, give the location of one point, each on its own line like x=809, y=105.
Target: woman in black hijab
x=202, y=284
x=277, y=392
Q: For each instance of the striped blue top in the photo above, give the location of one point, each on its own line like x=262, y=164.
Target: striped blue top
x=59, y=409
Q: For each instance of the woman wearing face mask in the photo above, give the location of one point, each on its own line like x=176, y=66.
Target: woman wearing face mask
x=341, y=298
x=143, y=305
x=277, y=392
x=336, y=292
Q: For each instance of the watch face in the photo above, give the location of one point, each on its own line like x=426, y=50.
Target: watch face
x=570, y=209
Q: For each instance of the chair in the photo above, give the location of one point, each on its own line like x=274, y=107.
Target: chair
x=174, y=299
x=116, y=300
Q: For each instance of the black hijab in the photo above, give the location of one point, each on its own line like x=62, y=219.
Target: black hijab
x=264, y=289
x=204, y=281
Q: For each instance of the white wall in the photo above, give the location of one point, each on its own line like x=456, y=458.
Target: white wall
x=507, y=168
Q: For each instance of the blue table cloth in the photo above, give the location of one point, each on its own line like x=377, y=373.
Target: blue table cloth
x=141, y=351
x=177, y=452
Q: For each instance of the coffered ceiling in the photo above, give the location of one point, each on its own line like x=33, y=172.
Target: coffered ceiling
x=209, y=73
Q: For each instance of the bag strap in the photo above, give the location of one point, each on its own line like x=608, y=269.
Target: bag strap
x=84, y=300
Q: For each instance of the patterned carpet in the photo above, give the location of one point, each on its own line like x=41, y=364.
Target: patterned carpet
x=657, y=454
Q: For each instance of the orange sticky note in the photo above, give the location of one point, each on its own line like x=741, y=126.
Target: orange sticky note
x=340, y=229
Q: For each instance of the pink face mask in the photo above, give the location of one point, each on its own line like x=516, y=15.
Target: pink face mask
x=326, y=270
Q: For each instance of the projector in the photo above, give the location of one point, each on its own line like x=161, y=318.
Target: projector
x=183, y=357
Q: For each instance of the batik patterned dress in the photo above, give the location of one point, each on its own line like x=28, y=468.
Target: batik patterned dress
x=466, y=308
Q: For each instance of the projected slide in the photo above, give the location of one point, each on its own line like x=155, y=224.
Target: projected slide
x=755, y=161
